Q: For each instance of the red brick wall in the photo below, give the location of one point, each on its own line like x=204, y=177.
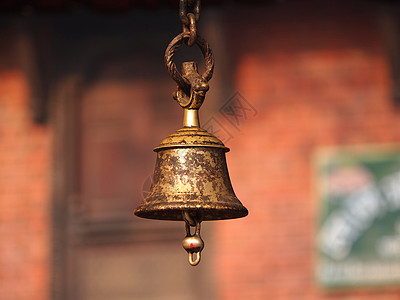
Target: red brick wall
x=24, y=195
x=317, y=78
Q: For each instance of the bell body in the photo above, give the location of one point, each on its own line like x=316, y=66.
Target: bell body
x=191, y=175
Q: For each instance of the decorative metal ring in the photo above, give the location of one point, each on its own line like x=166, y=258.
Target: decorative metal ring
x=171, y=67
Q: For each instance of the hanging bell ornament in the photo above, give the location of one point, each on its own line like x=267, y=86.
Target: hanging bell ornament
x=191, y=181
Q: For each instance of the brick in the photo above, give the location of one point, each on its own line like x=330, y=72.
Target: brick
x=25, y=195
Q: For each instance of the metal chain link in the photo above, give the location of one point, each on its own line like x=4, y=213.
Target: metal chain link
x=183, y=8
x=189, y=19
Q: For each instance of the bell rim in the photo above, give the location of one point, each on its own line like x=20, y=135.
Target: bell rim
x=207, y=214
x=162, y=208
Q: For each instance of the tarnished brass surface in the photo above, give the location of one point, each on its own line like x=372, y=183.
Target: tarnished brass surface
x=191, y=178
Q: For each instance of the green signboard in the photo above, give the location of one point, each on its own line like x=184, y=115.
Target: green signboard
x=358, y=237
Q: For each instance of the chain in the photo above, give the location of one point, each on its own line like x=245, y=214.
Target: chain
x=183, y=7
x=189, y=19
x=192, y=86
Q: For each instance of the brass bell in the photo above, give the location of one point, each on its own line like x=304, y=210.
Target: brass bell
x=191, y=181
x=191, y=175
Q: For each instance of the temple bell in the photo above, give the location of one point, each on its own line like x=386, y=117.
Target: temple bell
x=191, y=181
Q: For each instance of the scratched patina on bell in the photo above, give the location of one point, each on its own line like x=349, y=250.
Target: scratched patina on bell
x=191, y=175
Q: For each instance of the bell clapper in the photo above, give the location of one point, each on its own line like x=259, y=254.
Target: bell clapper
x=193, y=244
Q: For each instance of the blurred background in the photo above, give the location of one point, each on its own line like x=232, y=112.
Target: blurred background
x=306, y=95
